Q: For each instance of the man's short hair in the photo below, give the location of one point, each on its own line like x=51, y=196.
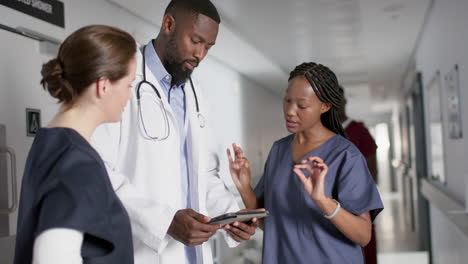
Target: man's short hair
x=204, y=7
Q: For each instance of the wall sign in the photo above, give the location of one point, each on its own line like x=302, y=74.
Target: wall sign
x=435, y=128
x=453, y=104
x=51, y=11
x=33, y=121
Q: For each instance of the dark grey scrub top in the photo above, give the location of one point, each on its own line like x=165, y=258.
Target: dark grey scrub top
x=296, y=231
x=66, y=185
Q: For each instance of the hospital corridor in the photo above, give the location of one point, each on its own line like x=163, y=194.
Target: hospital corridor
x=401, y=69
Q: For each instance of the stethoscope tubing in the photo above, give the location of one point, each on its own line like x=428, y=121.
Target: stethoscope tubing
x=200, y=117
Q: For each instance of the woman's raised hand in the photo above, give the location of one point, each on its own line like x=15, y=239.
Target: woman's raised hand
x=315, y=183
x=239, y=168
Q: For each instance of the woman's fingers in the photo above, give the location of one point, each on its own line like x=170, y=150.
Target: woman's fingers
x=322, y=166
x=312, y=159
x=245, y=162
x=238, y=151
x=316, y=158
x=235, y=164
x=316, y=162
x=317, y=166
x=228, y=151
x=307, y=167
x=300, y=175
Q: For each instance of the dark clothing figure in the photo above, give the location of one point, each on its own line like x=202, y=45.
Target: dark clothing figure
x=359, y=135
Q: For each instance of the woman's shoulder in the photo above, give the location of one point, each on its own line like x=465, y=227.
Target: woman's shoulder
x=59, y=162
x=281, y=144
x=285, y=141
x=61, y=140
x=66, y=151
x=344, y=146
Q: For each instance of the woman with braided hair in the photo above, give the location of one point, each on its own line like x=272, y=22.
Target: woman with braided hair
x=68, y=210
x=316, y=185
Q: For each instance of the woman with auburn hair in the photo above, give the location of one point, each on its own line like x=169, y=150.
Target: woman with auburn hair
x=68, y=210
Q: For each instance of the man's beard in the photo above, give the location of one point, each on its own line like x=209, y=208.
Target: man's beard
x=175, y=63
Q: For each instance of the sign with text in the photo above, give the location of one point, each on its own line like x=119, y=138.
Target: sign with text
x=51, y=11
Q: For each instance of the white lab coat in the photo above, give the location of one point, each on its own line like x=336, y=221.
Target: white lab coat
x=147, y=178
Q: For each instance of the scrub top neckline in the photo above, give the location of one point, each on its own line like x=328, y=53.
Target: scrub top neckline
x=310, y=152
x=61, y=128
x=67, y=130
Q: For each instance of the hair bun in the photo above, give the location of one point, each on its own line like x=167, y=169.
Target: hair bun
x=54, y=82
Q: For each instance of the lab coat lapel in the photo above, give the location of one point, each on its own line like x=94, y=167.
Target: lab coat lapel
x=193, y=139
x=195, y=144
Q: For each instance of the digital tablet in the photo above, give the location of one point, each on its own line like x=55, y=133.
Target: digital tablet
x=240, y=216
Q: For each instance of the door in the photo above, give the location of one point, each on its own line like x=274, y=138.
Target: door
x=416, y=207
x=20, y=65
x=420, y=164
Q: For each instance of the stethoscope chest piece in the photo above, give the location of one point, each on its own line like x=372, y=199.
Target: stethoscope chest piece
x=201, y=120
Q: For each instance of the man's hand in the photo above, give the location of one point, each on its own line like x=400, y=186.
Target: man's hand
x=243, y=231
x=191, y=228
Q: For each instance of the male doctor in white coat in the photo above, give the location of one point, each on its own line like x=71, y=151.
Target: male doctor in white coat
x=159, y=157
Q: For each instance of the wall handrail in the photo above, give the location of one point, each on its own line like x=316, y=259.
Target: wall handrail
x=451, y=207
x=25, y=32
x=14, y=203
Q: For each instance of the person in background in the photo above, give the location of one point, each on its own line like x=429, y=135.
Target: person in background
x=316, y=184
x=161, y=157
x=359, y=135
x=69, y=212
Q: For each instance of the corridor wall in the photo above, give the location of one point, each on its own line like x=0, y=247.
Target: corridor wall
x=442, y=44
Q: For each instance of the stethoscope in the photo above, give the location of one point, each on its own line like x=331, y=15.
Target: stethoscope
x=201, y=119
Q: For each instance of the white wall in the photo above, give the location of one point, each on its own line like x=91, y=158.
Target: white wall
x=442, y=45
x=243, y=111
x=78, y=14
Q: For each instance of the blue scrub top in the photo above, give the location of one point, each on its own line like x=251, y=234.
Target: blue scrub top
x=296, y=231
x=65, y=185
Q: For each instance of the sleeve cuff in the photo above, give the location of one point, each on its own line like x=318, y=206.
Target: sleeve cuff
x=229, y=240
x=157, y=239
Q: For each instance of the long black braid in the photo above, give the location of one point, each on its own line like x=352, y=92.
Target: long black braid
x=325, y=85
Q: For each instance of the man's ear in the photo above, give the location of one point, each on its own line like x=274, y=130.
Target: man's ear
x=325, y=107
x=102, y=87
x=168, y=25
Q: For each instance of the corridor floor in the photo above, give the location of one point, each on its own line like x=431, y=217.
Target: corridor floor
x=396, y=243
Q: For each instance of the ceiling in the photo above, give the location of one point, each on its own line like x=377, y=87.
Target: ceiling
x=367, y=43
